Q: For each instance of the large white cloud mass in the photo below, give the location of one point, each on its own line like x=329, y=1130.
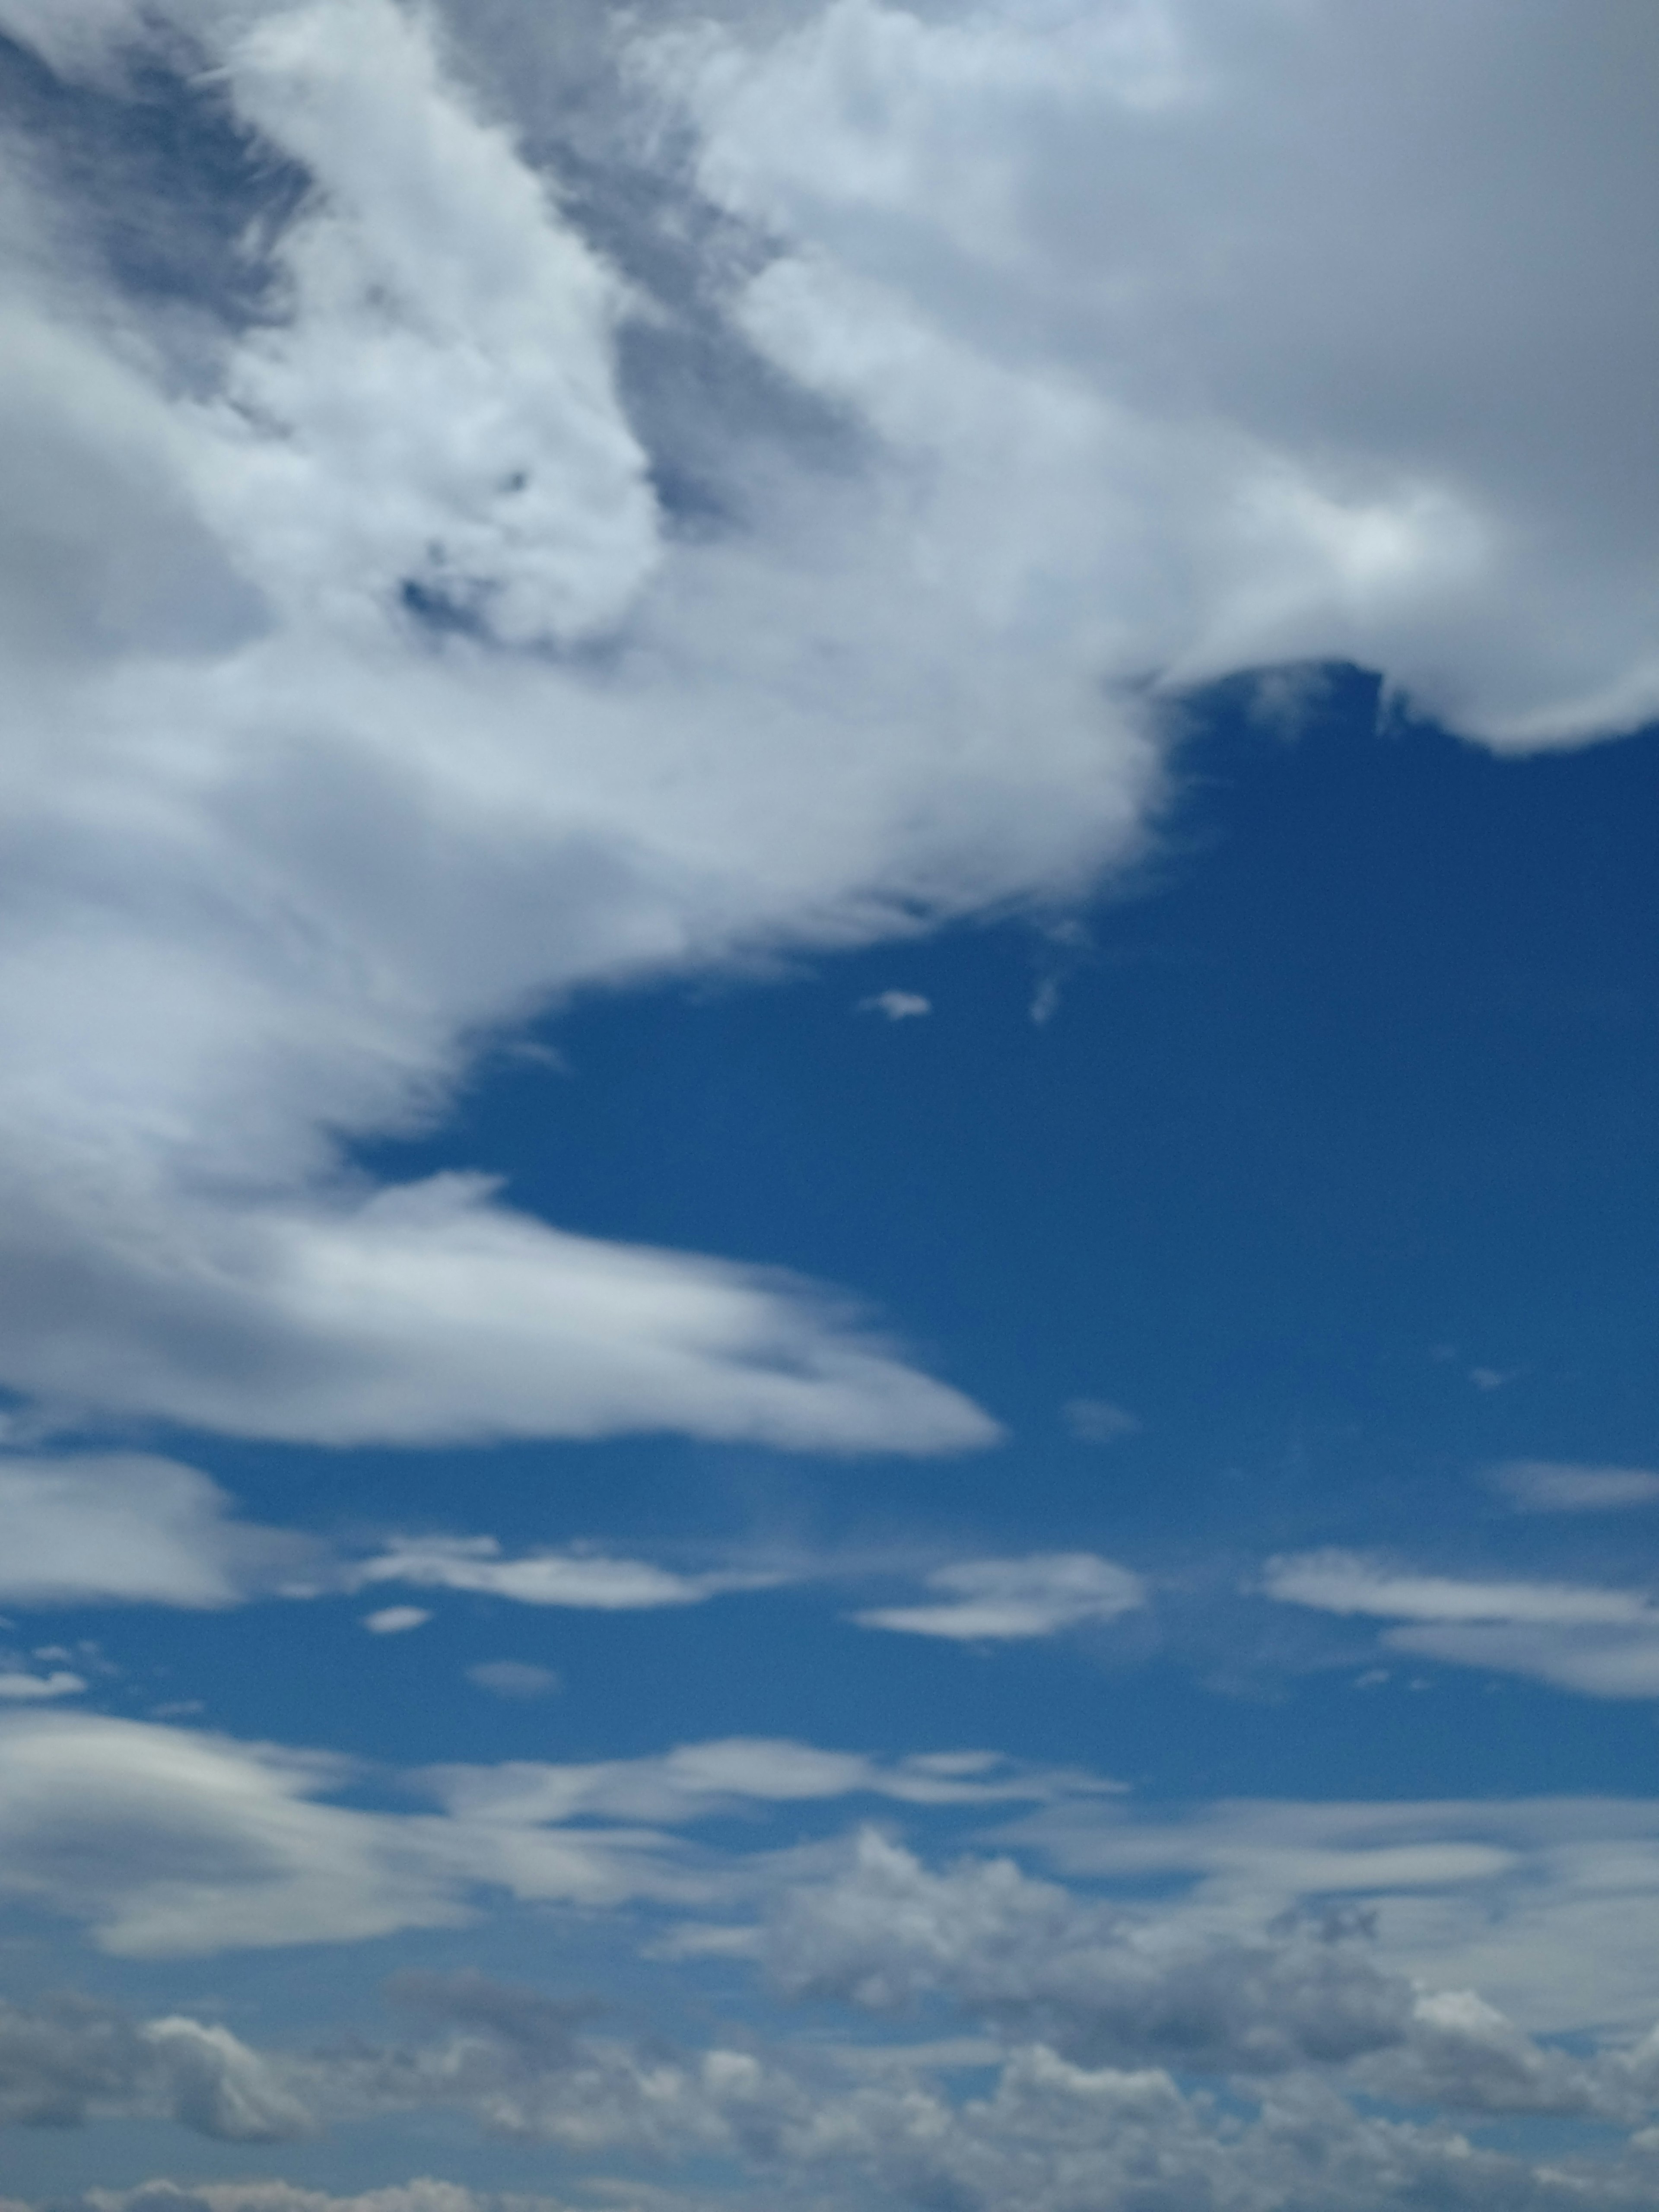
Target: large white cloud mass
x=640, y=488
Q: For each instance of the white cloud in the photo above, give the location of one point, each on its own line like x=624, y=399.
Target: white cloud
x=128, y=1528
x=1352, y=1582
x=396, y=1619
x=1600, y=1642
x=367, y=695
x=1005, y=1600
x=514, y=1678
x=999, y=207
x=589, y=1581
x=21, y=1686
x=170, y=1842
x=1538, y=1486
x=898, y=1005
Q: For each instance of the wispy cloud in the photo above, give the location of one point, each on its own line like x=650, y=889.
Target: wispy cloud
x=1538, y=1486
x=896, y=1005
x=1003, y=1600
x=1599, y=1641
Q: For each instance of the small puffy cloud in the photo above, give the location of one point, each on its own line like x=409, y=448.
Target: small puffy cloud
x=1098, y=1421
x=896, y=1005
x=396, y=1619
x=514, y=1678
x=1006, y=1600
x=1538, y=1486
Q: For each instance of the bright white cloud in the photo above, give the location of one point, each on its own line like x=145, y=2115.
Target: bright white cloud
x=366, y=696
x=1005, y=1600
x=396, y=1619
x=1538, y=1486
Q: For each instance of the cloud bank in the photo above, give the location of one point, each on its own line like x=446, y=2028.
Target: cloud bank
x=456, y=590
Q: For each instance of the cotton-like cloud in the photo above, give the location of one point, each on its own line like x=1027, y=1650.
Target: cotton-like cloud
x=443, y=639
x=1536, y=1485
x=995, y=1601
x=70, y=2060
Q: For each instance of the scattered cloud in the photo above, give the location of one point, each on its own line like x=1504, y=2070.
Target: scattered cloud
x=1355, y=1582
x=21, y=1686
x=896, y=1005
x=396, y=1619
x=70, y=2059
x=1005, y=1600
x=128, y=1528
x=586, y=1580
x=1539, y=1485
x=1598, y=1642
x=1098, y=1421
x=514, y=1678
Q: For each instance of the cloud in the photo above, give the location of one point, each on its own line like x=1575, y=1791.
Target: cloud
x=174, y=1842
x=71, y=2059
x=1290, y=439
x=896, y=1005
x=1098, y=1421
x=19, y=1685
x=125, y=1528
x=1005, y=1600
x=1538, y=1486
x=1351, y=1582
x=131, y=1529
x=589, y=1581
x=514, y=1678
x=443, y=639
x=1599, y=1642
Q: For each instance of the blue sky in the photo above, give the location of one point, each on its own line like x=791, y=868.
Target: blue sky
x=828, y=1282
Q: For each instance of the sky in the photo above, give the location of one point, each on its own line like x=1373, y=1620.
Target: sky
x=828, y=1260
